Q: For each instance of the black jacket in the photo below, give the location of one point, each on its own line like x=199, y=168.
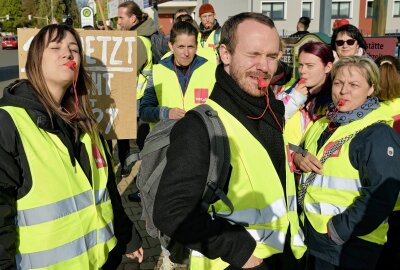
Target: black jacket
x=15, y=178
x=176, y=209
x=379, y=173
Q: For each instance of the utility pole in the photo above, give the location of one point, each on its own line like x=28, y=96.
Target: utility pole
x=51, y=6
x=379, y=11
x=325, y=11
x=155, y=9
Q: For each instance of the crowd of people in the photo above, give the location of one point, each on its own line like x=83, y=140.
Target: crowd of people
x=314, y=177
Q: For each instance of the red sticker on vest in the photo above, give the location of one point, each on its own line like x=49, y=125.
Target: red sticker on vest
x=396, y=124
x=200, y=95
x=212, y=45
x=98, y=158
x=329, y=146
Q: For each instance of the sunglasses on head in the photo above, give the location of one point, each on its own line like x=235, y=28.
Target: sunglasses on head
x=349, y=42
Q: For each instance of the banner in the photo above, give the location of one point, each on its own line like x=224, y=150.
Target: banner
x=110, y=60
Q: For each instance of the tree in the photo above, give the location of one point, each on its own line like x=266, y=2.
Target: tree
x=13, y=8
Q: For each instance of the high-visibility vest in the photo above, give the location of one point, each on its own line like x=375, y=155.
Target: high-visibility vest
x=169, y=92
x=392, y=108
x=258, y=197
x=62, y=222
x=208, y=49
x=333, y=192
x=146, y=71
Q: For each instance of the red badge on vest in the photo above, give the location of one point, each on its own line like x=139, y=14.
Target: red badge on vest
x=200, y=95
x=98, y=158
x=212, y=46
x=329, y=146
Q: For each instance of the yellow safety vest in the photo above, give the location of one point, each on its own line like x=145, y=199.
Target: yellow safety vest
x=62, y=222
x=392, y=108
x=209, y=48
x=146, y=71
x=169, y=92
x=267, y=211
x=333, y=192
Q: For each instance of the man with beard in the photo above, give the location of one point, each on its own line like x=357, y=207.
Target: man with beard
x=259, y=184
x=209, y=34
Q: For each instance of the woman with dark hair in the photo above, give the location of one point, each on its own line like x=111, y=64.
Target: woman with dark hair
x=180, y=81
x=389, y=68
x=60, y=207
x=351, y=173
x=347, y=40
x=306, y=100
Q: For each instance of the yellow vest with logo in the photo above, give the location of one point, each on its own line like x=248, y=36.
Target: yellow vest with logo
x=258, y=197
x=333, y=192
x=392, y=108
x=208, y=49
x=62, y=222
x=146, y=71
x=169, y=92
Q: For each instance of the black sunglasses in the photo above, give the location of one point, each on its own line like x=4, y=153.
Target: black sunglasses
x=349, y=42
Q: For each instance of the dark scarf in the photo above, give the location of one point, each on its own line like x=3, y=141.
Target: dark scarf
x=343, y=118
x=205, y=33
x=241, y=105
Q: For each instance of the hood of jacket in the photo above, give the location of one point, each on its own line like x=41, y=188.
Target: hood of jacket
x=145, y=28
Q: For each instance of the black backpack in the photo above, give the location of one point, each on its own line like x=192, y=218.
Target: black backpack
x=154, y=159
x=159, y=46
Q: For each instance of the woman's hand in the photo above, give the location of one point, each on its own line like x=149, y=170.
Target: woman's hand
x=253, y=261
x=176, y=113
x=301, y=88
x=136, y=254
x=308, y=163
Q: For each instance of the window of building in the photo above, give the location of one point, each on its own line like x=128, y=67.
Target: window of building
x=369, y=10
x=306, y=9
x=396, y=9
x=341, y=9
x=274, y=10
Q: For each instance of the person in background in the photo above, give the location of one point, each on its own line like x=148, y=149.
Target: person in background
x=177, y=83
x=389, y=68
x=302, y=27
x=100, y=25
x=209, y=35
x=60, y=207
x=187, y=18
x=180, y=12
x=259, y=184
x=306, y=100
x=132, y=18
x=347, y=40
x=351, y=172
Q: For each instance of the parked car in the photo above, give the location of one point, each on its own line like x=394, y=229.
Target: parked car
x=9, y=42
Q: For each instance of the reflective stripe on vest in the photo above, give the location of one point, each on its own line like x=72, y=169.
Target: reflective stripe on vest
x=37, y=215
x=253, y=216
x=146, y=71
x=333, y=192
x=68, y=251
x=170, y=94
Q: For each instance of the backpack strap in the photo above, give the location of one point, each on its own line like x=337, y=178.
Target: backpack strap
x=219, y=157
x=216, y=35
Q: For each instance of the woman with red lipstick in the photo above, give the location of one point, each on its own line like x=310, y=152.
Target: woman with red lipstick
x=59, y=203
x=306, y=100
x=351, y=173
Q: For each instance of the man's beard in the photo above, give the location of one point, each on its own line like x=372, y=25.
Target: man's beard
x=248, y=86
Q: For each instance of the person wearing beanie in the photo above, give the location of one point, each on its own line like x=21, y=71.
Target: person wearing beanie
x=209, y=33
x=338, y=23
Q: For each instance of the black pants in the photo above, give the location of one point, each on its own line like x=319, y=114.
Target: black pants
x=314, y=263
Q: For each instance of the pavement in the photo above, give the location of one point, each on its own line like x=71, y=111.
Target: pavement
x=151, y=246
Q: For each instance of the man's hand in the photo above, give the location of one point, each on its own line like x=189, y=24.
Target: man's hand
x=308, y=163
x=136, y=254
x=252, y=262
x=176, y=113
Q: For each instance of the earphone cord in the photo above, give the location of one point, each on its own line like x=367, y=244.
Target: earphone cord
x=268, y=106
